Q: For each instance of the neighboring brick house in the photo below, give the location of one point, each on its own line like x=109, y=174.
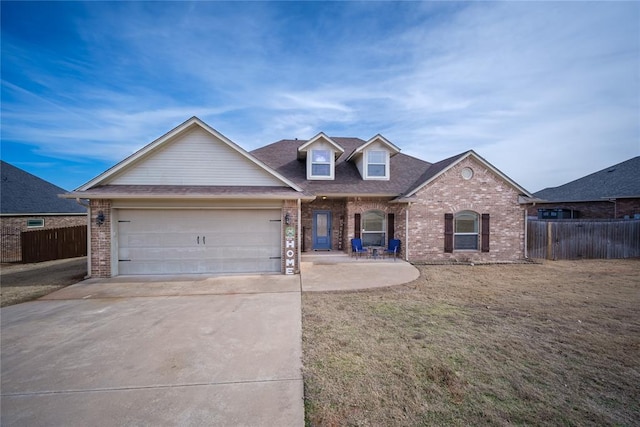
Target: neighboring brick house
x=193, y=201
x=30, y=203
x=610, y=193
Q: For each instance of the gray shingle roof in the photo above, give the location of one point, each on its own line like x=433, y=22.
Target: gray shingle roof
x=282, y=157
x=435, y=169
x=617, y=181
x=24, y=193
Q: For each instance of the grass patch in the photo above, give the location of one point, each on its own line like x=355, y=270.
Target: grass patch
x=557, y=343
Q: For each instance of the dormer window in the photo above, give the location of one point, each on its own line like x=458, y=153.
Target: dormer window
x=321, y=163
x=377, y=164
x=320, y=154
x=373, y=158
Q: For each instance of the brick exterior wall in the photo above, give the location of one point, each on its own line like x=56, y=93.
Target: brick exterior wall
x=360, y=205
x=12, y=226
x=594, y=210
x=338, y=212
x=485, y=192
x=343, y=219
x=101, y=239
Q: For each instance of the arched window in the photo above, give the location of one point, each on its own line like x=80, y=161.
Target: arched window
x=465, y=234
x=373, y=228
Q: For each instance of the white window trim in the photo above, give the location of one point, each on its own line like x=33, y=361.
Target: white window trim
x=35, y=226
x=331, y=163
x=386, y=165
x=476, y=233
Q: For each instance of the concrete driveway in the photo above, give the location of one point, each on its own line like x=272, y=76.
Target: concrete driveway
x=188, y=351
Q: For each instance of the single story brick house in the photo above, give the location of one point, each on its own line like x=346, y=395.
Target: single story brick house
x=31, y=203
x=610, y=193
x=193, y=201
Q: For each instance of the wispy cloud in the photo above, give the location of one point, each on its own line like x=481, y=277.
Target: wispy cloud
x=527, y=85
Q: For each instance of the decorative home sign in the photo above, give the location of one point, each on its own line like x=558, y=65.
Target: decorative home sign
x=290, y=245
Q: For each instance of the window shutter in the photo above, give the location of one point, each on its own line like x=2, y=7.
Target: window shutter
x=357, y=226
x=391, y=226
x=448, y=232
x=485, y=232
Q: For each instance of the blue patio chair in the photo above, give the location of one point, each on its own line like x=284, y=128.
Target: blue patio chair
x=357, y=249
x=394, y=248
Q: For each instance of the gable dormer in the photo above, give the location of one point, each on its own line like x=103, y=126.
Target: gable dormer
x=373, y=158
x=320, y=153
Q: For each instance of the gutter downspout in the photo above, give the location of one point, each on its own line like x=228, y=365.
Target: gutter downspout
x=406, y=232
x=299, y=233
x=88, y=276
x=526, y=228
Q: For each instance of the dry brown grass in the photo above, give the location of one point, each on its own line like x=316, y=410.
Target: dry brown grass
x=25, y=282
x=549, y=344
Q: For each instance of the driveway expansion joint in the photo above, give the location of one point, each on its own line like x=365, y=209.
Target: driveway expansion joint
x=148, y=387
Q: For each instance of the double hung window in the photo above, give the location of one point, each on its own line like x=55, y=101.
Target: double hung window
x=466, y=231
x=320, y=163
x=376, y=163
x=373, y=228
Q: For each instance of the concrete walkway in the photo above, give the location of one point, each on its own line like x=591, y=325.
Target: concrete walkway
x=183, y=350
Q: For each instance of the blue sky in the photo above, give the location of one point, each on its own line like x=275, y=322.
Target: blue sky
x=545, y=91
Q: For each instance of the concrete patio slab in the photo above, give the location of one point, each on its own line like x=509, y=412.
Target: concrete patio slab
x=341, y=273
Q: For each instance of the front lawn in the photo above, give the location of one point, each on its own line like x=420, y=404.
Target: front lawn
x=549, y=344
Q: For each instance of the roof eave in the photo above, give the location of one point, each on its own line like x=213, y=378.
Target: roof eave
x=164, y=196
x=392, y=147
x=302, y=150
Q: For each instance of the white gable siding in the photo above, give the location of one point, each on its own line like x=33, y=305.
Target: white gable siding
x=196, y=158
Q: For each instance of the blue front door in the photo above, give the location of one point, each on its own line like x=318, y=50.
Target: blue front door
x=321, y=230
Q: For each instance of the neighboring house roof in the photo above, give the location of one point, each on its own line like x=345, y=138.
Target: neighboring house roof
x=617, y=181
x=282, y=157
x=24, y=193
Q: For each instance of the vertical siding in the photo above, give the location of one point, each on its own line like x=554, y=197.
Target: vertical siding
x=54, y=243
x=589, y=239
x=196, y=158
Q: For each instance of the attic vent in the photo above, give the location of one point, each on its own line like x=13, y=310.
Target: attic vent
x=611, y=170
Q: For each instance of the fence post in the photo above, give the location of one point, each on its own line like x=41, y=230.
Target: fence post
x=549, y=241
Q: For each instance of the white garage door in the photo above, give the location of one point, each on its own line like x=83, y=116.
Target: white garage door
x=198, y=241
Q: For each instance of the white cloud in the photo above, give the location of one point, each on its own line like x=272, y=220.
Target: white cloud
x=545, y=91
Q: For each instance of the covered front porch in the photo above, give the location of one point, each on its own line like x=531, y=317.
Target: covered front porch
x=329, y=223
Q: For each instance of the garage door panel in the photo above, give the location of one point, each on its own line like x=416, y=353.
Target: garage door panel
x=198, y=241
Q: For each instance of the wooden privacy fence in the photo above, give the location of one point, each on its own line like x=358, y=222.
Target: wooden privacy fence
x=575, y=239
x=54, y=243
